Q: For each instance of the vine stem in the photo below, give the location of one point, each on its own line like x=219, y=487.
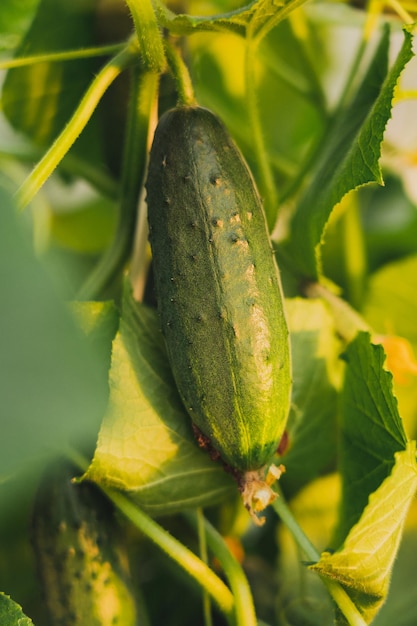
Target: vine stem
x=68, y=55
x=75, y=126
x=142, y=99
x=149, y=35
x=179, y=553
x=339, y=595
x=244, y=607
x=266, y=177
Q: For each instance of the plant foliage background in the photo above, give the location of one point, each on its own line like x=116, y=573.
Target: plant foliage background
x=321, y=99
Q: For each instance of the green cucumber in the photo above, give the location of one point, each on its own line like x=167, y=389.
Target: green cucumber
x=218, y=289
x=80, y=556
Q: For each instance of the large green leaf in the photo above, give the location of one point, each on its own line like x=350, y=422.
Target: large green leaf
x=11, y=613
x=350, y=158
x=39, y=99
x=50, y=388
x=371, y=428
x=146, y=445
x=363, y=566
x=312, y=424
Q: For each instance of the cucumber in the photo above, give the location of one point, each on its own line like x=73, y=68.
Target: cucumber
x=80, y=556
x=218, y=290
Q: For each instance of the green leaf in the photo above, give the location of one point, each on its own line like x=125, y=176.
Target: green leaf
x=11, y=613
x=14, y=19
x=146, y=445
x=39, y=99
x=351, y=156
x=51, y=392
x=364, y=564
x=312, y=424
x=371, y=428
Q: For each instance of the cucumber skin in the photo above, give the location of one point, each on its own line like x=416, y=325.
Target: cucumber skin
x=80, y=555
x=218, y=288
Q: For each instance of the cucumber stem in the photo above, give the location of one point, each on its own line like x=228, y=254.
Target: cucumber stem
x=244, y=607
x=76, y=125
x=181, y=74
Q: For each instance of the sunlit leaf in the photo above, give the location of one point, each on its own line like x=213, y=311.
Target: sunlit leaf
x=364, y=564
x=351, y=157
x=146, y=446
x=11, y=613
x=371, y=428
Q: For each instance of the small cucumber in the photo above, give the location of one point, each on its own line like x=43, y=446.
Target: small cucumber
x=80, y=556
x=218, y=289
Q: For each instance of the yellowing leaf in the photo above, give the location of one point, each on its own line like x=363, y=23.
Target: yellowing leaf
x=364, y=563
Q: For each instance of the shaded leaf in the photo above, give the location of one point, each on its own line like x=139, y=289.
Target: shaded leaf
x=364, y=564
x=51, y=392
x=312, y=424
x=351, y=156
x=11, y=613
x=371, y=428
x=146, y=445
